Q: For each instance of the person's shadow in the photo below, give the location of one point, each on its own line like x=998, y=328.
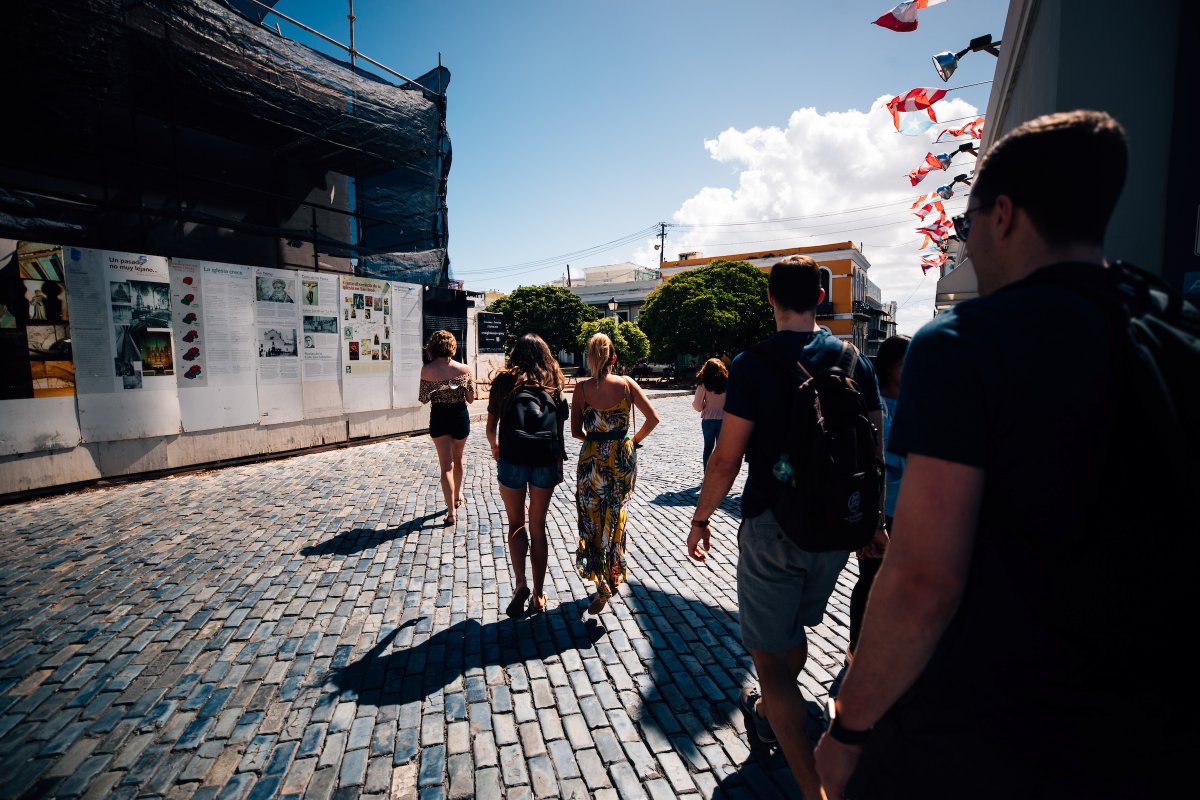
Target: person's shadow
x=356, y=539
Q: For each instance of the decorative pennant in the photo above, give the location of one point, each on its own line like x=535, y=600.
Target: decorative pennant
x=918, y=99
x=903, y=18
x=974, y=129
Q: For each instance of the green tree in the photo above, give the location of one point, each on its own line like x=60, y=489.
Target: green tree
x=714, y=310
x=633, y=347
x=552, y=312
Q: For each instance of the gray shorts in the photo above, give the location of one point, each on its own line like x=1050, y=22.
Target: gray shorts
x=781, y=588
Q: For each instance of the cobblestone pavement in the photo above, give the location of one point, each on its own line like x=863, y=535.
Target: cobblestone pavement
x=307, y=627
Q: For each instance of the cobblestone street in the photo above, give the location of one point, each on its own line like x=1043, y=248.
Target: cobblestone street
x=307, y=627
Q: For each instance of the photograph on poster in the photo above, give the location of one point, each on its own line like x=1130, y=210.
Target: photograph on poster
x=53, y=378
x=151, y=304
x=348, y=331
x=309, y=344
x=353, y=351
x=387, y=351
x=275, y=341
x=7, y=320
x=274, y=290
x=128, y=360
x=122, y=315
x=378, y=303
x=387, y=332
x=155, y=349
x=311, y=293
x=345, y=313
x=118, y=292
x=48, y=342
x=358, y=301
x=367, y=312
x=46, y=301
x=354, y=313
x=320, y=324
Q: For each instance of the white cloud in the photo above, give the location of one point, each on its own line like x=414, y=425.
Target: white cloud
x=818, y=165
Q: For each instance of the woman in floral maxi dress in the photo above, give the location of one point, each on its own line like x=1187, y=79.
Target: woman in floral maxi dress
x=602, y=416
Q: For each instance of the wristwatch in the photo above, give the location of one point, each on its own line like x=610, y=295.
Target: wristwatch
x=700, y=523
x=841, y=734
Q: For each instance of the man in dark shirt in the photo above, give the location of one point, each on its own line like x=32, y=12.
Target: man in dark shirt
x=781, y=588
x=992, y=657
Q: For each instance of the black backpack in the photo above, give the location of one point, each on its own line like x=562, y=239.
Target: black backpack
x=1159, y=357
x=531, y=426
x=828, y=480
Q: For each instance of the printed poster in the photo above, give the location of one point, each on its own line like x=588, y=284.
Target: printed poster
x=37, y=374
x=122, y=344
x=214, y=343
x=366, y=343
x=321, y=344
x=406, y=352
x=277, y=343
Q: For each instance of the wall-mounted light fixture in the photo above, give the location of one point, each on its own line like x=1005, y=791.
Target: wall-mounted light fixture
x=945, y=63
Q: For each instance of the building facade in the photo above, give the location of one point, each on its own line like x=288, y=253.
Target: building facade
x=853, y=308
x=626, y=284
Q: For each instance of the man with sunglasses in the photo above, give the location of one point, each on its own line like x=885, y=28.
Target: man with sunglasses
x=993, y=656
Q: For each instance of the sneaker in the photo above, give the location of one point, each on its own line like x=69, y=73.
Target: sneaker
x=762, y=726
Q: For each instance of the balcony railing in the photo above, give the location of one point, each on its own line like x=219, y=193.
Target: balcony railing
x=825, y=309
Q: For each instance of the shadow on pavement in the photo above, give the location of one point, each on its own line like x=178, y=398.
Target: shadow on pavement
x=352, y=541
x=683, y=497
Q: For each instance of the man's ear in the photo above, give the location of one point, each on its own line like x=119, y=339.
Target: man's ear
x=1004, y=216
x=820, y=295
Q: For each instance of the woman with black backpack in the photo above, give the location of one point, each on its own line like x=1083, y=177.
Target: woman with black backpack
x=526, y=415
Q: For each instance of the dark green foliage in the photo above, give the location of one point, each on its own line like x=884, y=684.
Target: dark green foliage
x=720, y=309
x=552, y=312
x=631, y=343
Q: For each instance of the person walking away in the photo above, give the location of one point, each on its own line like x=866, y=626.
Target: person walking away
x=526, y=416
x=888, y=364
x=710, y=402
x=602, y=415
x=781, y=587
x=447, y=386
x=1038, y=538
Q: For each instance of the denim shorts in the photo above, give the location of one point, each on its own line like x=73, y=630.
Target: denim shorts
x=781, y=589
x=517, y=476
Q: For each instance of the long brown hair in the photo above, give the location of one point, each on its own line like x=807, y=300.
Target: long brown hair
x=531, y=362
x=713, y=375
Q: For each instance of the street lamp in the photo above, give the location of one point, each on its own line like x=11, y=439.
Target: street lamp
x=945, y=63
x=612, y=306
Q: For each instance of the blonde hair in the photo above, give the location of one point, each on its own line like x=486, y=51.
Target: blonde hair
x=442, y=344
x=599, y=354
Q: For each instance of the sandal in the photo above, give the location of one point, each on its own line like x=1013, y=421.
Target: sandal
x=597, y=605
x=458, y=503
x=516, y=608
x=449, y=520
x=540, y=607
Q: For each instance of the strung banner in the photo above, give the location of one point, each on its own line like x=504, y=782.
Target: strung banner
x=903, y=18
x=974, y=129
x=914, y=100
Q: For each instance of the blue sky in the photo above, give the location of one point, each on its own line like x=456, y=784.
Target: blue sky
x=575, y=124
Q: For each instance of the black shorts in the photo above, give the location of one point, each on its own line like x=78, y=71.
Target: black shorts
x=449, y=419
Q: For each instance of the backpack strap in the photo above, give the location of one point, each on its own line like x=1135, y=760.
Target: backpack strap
x=847, y=359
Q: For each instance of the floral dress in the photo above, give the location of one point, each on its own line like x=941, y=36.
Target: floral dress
x=605, y=478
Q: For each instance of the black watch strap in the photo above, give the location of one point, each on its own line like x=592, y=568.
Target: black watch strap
x=700, y=523
x=845, y=735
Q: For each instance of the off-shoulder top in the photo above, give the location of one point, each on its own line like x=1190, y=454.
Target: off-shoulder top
x=451, y=391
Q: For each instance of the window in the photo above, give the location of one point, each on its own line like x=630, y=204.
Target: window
x=827, y=283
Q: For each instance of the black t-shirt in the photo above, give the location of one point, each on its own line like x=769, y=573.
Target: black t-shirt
x=1025, y=384
x=759, y=391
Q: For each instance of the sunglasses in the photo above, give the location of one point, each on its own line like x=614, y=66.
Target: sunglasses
x=962, y=222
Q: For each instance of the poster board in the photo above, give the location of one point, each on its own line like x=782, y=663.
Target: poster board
x=407, y=344
x=277, y=345
x=366, y=343
x=321, y=345
x=490, y=333
x=122, y=345
x=37, y=374
x=213, y=309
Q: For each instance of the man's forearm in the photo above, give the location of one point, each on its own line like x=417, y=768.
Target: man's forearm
x=718, y=480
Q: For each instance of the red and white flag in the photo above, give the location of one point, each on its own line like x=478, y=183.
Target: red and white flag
x=931, y=162
x=915, y=100
x=903, y=18
x=925, y=210
x=974, y=129
x=932, y=261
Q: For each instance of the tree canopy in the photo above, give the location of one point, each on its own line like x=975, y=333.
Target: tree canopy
x=552, y=312
x=631, y=344
x=714, y=310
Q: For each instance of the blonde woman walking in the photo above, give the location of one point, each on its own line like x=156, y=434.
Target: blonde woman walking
x=602, y=415
x=447, y=386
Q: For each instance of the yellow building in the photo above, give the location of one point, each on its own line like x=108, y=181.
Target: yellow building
x=852, y=310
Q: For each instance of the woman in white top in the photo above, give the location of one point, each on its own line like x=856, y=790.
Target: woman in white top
x=710, y=402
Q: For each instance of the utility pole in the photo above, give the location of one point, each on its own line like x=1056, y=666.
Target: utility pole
x=568, y=276
x=662, y=247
